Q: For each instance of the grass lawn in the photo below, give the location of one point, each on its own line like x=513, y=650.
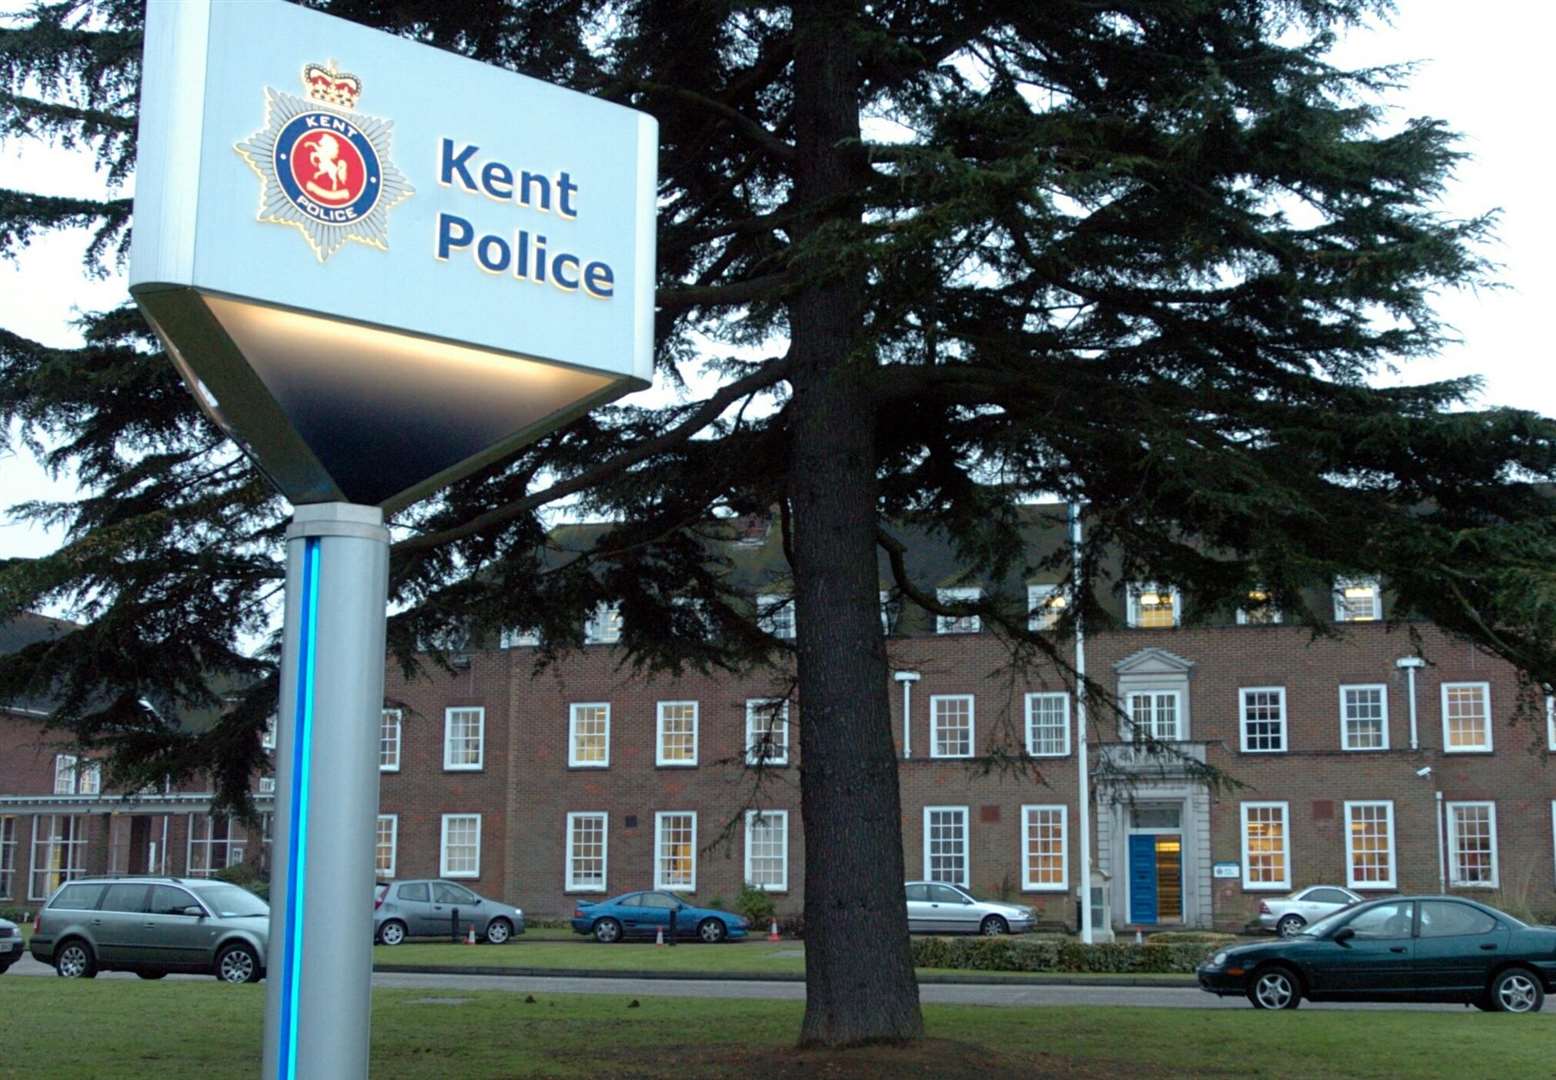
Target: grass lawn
x=206, y=1031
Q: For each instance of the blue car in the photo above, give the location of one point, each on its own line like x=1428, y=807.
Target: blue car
x=646, y=914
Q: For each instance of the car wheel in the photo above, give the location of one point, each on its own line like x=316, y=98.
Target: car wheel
x=74, y=960
x=152, y=974
x=1275, y=988
x=498, y=931
x=1517, y=990
x=607, y=931
x=237, y=964
x=712, y=931
x=993, y=926
x=1290, y=925
x=391, y=933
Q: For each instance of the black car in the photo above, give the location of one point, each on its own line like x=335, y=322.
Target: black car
x=1409, y=948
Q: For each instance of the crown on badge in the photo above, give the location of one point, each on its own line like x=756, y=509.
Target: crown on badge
x=332, y=87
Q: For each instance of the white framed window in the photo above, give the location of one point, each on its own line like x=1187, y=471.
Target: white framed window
x=58, y=853
x=64, y=774
x=1266, y=846
x=775, y=615
x=1466, y=717
x=1550, y=722
x=214, y=843
x=945, y=844
x=459, y=849
x=1259, y=610
x=767, y=850
x=464, y=739
x=1369, y=845
x=676, y=740
x=1155, y=714
x=1048, y=724
x=1262, y=729
x=1045, y=606
x=675, y=850
x=589, y=735
x=604, y=626
x=1472, y=845
x=74, y=776
x=586, y=851
x=1045, y=848
x=1154, y=607
x=515, y=639
x=1358, y=600
x=7, y=857
x=267, y=785
x=890, y=609
x=767, y=731
x=389, y=741
x=1364, y=716
x=388, y=841
x=951, y=726
x=267, y=737
x=958, y=624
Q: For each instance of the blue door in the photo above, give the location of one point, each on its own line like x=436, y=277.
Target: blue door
x=1142, y=879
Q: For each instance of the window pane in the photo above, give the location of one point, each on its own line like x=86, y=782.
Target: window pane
x=1384, y=921
x=383, y=853
x=767, y=732
x=677, y=732
x=586, y=851
x=945, y=845
x=1473, y=838
x=1264, y=845
x=767, y=848
x=462, y=845
x=676, y=863
x=1364, y=717
x=1048, y=725
x=1440, y=918
x=1369, y=837
x=1264, y=720
x=1465, y=717
x=591, y=735
x=952, y=720
x=464, y=732
x=1045, y=865
x=389, y=740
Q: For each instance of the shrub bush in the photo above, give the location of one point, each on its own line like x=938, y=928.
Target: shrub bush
x=245, y=877
x=1058, y=955
x=1190, y=937
x=792, y=926
x=756, y=906
x=16, y=914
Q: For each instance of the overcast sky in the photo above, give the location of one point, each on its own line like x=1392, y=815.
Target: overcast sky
x=1483, y=71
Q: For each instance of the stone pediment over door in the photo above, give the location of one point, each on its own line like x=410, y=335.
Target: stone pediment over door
x=1153, y=662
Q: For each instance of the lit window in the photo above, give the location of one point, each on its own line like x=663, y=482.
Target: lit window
x=383, y=851
x=1550, y=722
x=767, y=850
x=267, y=737
x=1358, y=600
x=589, y=736
x=675, y=847
x=1259, y=610
x=389, y=741
x=1472, y=844
x=1154, y=715
x=1364, y=717
x=1048, y=724
x=951, y=725
x=58, y=853
x=1045, y=848
x=1466, y=716
x=1266, y=846
x=464, y=734
x=958, y=624
x=1045, y=606
x=64, y=774
x=1369, y=839
x=7, y=858
x=775, y=615
x=604, y=627
x=459, y=853
x=586, y=852
x=214, y=843
x=1153, y=607
x=267, y=785
x=767, y=732
x=1263, y=725
x=514, y=638
x=945, y=844
x=677, y=743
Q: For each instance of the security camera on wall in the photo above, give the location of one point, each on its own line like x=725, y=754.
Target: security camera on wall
x=1424, y=770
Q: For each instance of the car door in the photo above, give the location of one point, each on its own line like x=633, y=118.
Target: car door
x=949, y=909
x=653, y=914
x=1456, y=948
x=117, y=924
x=413, y=901
x=450, y=900
x=175, y=938
x=1367, y=957
x=919, y=920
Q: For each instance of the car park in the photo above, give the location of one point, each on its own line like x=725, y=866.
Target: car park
x=937, y=908
x=10, y=944
x=649, y=914
x=1423, y=948
x=431, y=907
x=153, y=926
x=1286, y=915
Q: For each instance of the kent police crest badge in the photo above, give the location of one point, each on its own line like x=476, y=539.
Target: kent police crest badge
x=323, y=167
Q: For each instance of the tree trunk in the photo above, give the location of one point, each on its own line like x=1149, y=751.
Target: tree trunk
x=858, y=968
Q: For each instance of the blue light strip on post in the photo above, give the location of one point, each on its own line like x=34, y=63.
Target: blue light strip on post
x=302, y=759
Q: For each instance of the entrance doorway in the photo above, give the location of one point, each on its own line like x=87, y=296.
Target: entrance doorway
x=1156, y=865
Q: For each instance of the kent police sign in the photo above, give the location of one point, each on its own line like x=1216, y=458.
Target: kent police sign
x=380, y=266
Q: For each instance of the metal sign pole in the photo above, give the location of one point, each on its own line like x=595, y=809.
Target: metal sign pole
x=319, y=976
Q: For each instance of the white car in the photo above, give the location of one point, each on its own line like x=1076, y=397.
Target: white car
x=10, y=944
x=1287, y=915
x=937, y=908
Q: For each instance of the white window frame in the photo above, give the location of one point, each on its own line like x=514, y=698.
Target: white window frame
x=604, y=626
x=8, y=859
x=231, y=845
x=444, y=869
x=775, y=615
x=1032, y=700
x=660, y=884
x=65, y=774
x=1485, y=701
x=574, y=883
x=966, y=844
x=959, y=624
x=573, y=760
x=1342, y=607
x=510, y=638
x=1454, y=879
x=781, y=816
x=886, y=612
x=81, y=776
x=758, y=709
x=1045, y=606
x=1242, y=719
x=267, y=785
x=1177, y=713
x=267, y=736
x=1269, y=614
x=1284, y=884
x=394, y=844
x=935, y=701
x=480, y=745
x=1383, y=698
x=1134, y=592
x=1028, y=882
x=1550, y=722
x=384, y=762
x=1350, y=853
x=659, y=735
x=72, y=845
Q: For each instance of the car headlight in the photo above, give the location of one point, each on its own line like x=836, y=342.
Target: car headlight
x=1218, y=960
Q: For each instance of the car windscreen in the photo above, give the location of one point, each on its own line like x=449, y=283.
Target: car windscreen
x=231, y=902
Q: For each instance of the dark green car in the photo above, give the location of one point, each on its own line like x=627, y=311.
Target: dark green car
x=1412, y=948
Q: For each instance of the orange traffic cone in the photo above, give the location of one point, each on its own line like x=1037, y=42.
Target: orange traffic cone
x=773, y=934
x=470, y=938
x=659, y=938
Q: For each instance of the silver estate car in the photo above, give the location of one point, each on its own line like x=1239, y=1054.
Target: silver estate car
x=10, y=944
x=1287, y=915
x=152, y=926
x=937, y=908
x=433, y=908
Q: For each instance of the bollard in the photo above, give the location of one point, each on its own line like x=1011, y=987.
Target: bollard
x=453, y=927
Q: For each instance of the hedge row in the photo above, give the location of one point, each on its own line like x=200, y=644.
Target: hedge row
x=1057, y=955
